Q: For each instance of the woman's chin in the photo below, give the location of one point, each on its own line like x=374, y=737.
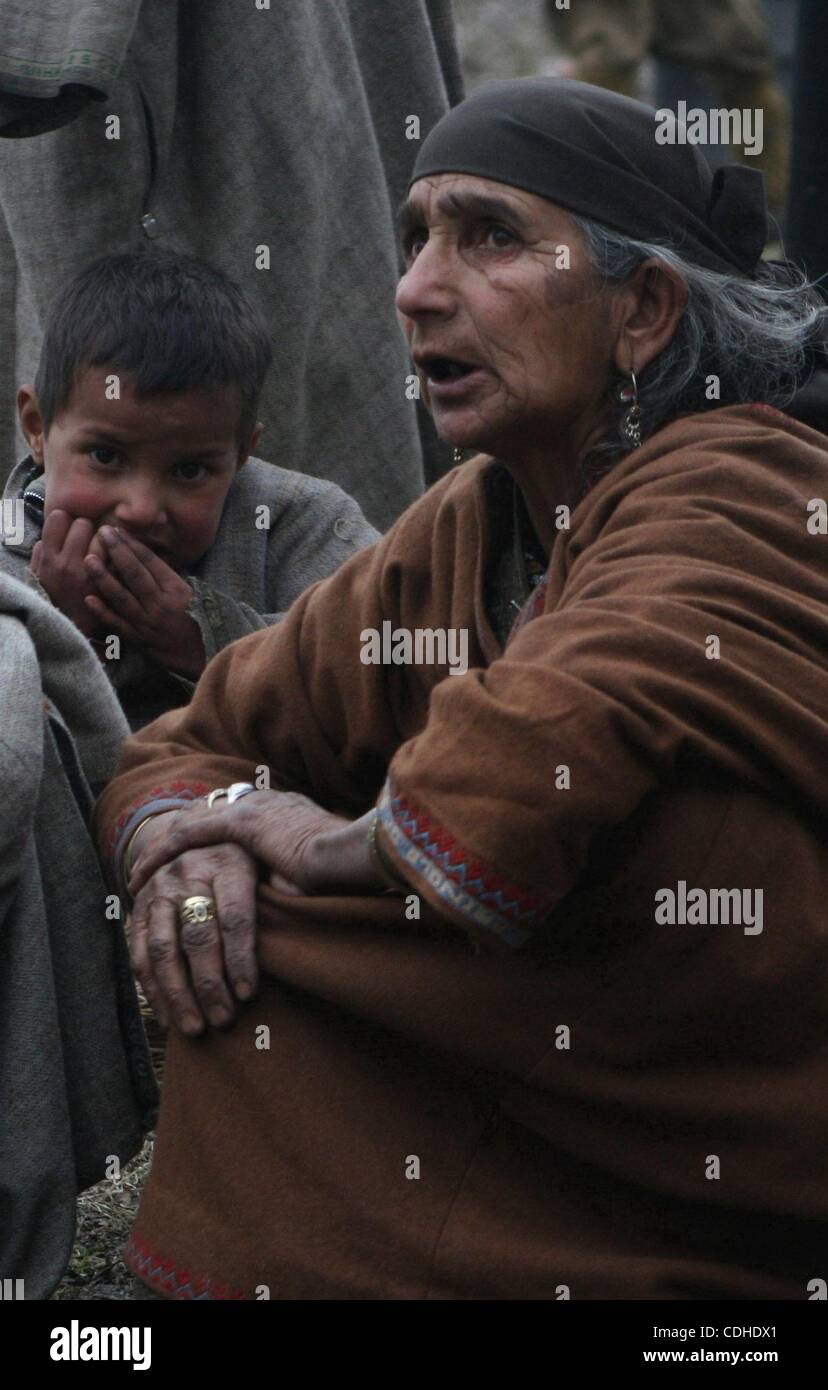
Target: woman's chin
x=474, y=439
x=476, y=427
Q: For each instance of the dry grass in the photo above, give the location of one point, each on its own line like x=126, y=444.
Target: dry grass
x=106, y=1214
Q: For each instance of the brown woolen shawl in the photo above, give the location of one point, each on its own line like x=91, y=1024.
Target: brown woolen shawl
x=541, y=1165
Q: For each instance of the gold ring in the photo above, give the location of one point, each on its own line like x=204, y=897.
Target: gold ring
x=198, y=909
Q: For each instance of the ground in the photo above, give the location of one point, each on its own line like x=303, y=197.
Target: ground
x=105, y=1218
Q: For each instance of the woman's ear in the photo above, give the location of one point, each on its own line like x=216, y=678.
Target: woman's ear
x=655, y=297
x=31, y=421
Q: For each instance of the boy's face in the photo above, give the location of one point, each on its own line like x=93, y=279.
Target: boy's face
x=157, y=467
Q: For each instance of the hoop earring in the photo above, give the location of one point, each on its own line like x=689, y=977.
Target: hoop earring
x=631, y=423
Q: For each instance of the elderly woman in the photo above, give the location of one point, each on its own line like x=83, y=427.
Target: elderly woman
x=526, y=963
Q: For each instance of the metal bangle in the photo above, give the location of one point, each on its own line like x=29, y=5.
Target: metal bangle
x=129, y=848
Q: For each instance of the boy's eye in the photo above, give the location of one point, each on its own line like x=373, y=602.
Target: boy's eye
x=190, y=470
x=104, y=455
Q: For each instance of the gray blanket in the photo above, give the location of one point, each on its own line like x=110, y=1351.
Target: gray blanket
x=244, y=133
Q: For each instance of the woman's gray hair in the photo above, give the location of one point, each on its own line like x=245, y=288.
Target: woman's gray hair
x=752, y=336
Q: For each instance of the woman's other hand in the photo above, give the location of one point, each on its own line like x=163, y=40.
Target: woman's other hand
x=305, y=848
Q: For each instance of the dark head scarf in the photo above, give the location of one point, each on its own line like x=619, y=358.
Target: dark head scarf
x=594, y=153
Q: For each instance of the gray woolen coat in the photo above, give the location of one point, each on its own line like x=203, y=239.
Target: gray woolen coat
x=76, y=1084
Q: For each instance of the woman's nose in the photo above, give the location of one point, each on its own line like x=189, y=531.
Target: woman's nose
x=426, y=287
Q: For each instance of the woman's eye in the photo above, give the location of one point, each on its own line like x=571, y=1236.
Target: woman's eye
x=190, y=470
x=500, y=237
x=414, y=242
x=103, y=455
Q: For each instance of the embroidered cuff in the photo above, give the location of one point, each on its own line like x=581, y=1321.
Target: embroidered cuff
x=461, y=883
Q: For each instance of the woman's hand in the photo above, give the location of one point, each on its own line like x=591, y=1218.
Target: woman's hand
x=306, y=849
x=186, y=968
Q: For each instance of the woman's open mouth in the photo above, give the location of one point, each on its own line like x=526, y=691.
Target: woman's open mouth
x=448, y=378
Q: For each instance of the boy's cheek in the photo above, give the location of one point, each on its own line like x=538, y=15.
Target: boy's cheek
x=195, y=533
x=75, y=498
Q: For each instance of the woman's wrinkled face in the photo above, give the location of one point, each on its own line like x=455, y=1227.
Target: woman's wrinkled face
x=509, y=328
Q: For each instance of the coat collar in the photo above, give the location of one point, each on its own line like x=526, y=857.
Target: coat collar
x=27, y=486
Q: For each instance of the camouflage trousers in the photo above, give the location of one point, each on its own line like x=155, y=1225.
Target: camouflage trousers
x=726, y=40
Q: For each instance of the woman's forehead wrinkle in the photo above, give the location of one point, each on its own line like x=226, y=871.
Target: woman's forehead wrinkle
x=465, y=202
x=455, y=203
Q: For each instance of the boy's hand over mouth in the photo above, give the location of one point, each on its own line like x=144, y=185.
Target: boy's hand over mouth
x=57, y=563
x=143, y=600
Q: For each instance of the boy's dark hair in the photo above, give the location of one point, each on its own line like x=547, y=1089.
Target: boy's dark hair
x=170, y=323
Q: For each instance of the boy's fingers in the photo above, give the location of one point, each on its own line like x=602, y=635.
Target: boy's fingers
x=128, y=558
x=77, y=539
x=116, y=625
x=158, y=568
x=34, y=559
x=114, y=594
x=55, y=530
x=97, y=548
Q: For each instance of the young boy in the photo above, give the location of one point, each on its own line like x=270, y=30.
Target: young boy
x=142, y=515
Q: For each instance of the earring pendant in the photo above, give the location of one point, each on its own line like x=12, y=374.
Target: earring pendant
x=631, y=423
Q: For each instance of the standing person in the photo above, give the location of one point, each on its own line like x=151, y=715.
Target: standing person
x=247, y=134
x=727, y=42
